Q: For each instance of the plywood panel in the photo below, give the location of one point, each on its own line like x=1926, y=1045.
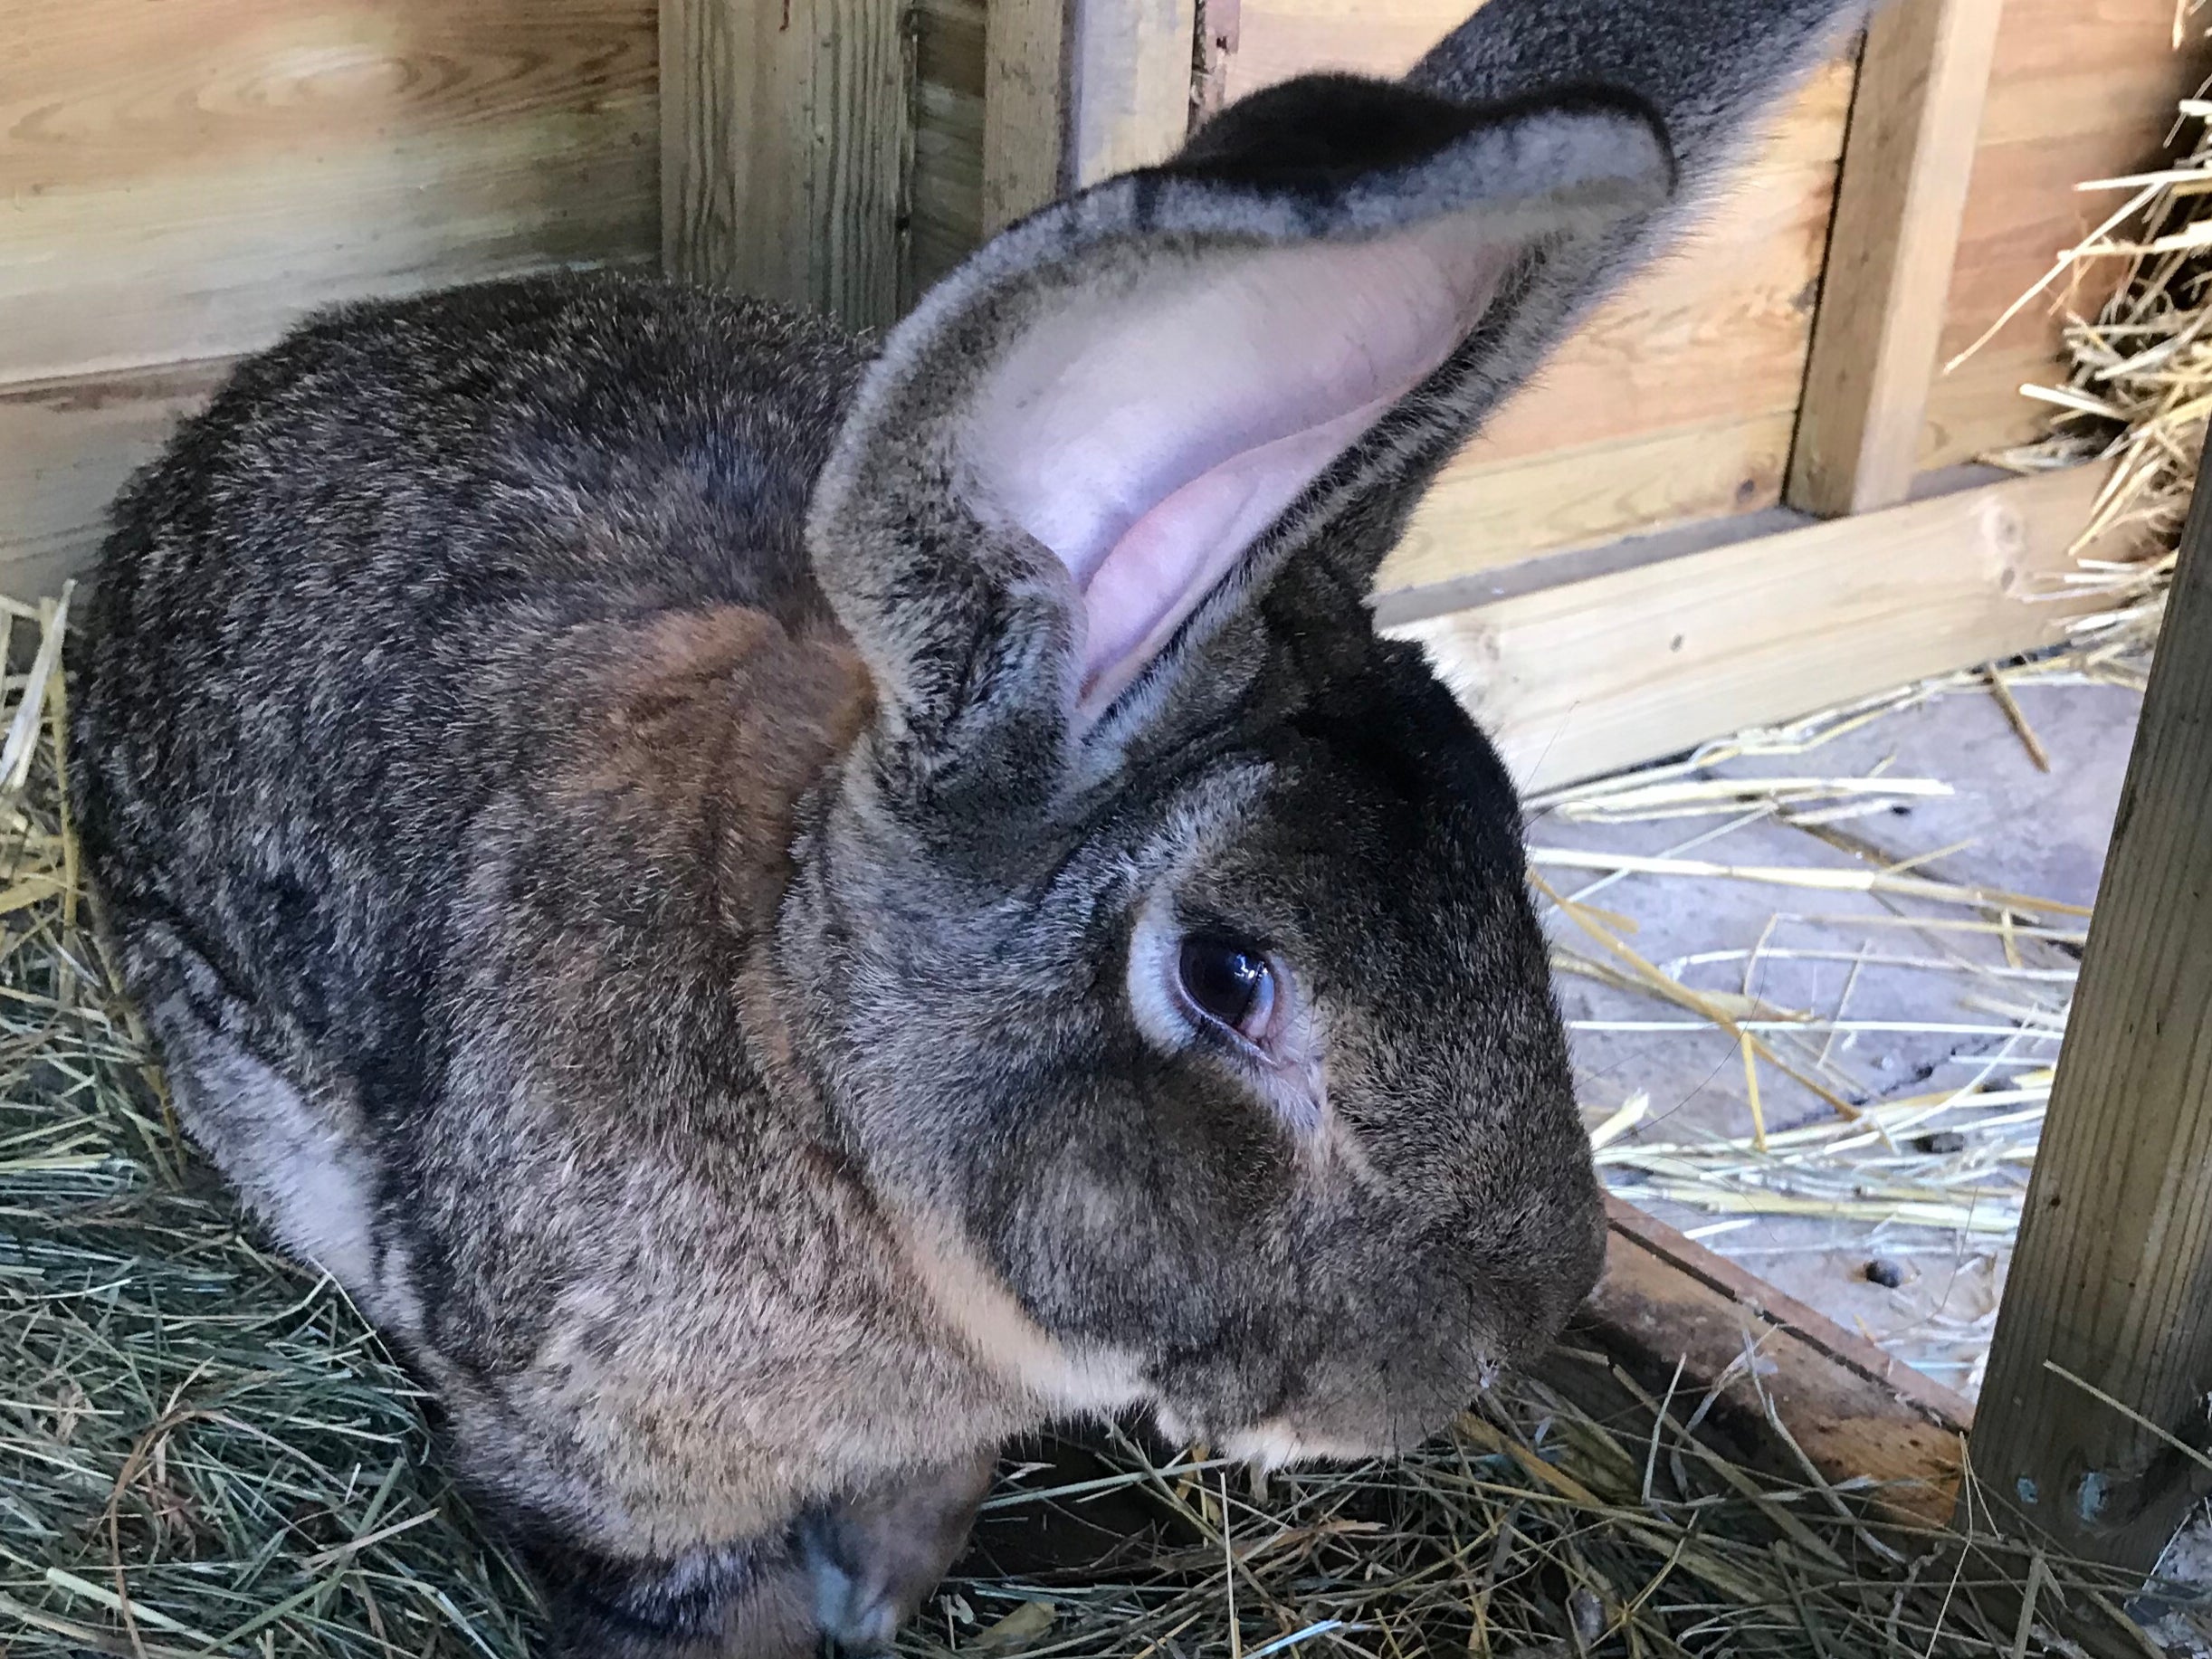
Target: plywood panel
x=2081, y=89
x=183, y=179
x=1482, y=514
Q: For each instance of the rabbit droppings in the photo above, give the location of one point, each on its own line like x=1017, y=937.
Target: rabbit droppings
x=780, y=911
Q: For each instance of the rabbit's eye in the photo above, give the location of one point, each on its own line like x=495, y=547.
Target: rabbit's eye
x=1229, y=982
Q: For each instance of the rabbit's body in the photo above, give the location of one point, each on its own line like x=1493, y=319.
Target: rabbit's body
x=779, y=914
x=455, y=880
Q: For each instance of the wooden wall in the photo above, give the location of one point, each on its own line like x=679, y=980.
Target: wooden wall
x=1677, y=401
x=182, y=180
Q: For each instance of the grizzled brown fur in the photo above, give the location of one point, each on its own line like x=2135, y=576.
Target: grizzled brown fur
x=601, y=809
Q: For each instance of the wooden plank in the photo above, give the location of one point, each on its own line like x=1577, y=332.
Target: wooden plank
x=785, y=137
x=2112, y=1278
x=1717, y=330
x=1026, y=107
x=1915, y=119
x=66, y=447
x=1856, y=1412
x=1675, y=402
x=1482, y=514
x=1132, y=64
x=1580, y=680
x=182, y=180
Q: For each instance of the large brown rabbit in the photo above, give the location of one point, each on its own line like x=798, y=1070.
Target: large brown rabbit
x=780, y=911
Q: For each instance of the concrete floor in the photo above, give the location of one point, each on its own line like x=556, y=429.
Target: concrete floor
x=2022, y=829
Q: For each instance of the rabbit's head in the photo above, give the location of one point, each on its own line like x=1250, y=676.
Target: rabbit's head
x=1165, y=945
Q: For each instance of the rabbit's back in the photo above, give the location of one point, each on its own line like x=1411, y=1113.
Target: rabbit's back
x=342, y=613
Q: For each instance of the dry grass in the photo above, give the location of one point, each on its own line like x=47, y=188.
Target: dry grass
x=1536, y=1526
x=2140, y=386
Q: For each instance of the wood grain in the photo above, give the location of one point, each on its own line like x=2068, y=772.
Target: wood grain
x=1026, y=107
x=184, y=179
x=1675, y=402
x=1717, y=328
x=1132, y=63
x=1915, y=120
x=945, y=190
x=2112, y=1278
x=66, y=447
x=1480, y=514
x=786, y=140
x=1582, y=679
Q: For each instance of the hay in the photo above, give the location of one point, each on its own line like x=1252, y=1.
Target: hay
x=2140, y=386
x=1536, y=1527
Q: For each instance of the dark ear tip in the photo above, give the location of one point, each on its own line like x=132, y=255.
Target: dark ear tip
x=1316, y=128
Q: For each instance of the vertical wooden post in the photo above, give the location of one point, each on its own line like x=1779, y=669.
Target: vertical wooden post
x=786, y=135
x=2111, y=1280
x=1908, y=156
x=1133, y=65
x=1027, y=110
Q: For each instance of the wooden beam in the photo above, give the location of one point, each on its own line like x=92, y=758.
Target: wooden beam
x=1856, y=1412
x=2112, y=1279
x=1132, y=66
x=1908, y=155
x=787, y=137
x=1026, y=108
x=1588, y=677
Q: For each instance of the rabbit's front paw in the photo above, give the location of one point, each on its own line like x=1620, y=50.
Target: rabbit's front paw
x=874, y=1559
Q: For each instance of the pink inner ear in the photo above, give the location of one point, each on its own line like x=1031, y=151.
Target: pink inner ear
x=1149, y=435
x=1147, y=584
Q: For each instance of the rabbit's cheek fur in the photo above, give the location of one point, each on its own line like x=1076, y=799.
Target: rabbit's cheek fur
x=1065, y=1376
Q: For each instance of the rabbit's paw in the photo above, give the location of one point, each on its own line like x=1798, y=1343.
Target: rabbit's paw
x=874, y=1559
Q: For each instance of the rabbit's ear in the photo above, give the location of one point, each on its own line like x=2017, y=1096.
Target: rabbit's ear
x=1120, y=410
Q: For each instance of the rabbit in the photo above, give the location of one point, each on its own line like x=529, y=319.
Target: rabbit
x=781, y=909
